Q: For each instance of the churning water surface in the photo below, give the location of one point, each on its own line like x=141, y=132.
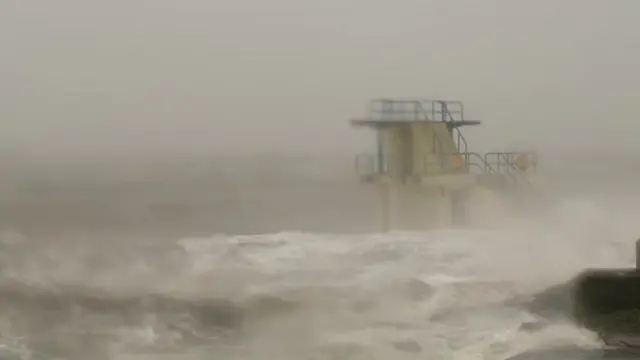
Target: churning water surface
x=446, y=294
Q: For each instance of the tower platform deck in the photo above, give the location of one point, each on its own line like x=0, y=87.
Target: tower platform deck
x=377, y=123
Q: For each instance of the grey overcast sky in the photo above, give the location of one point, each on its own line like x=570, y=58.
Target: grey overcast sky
x=224, y=76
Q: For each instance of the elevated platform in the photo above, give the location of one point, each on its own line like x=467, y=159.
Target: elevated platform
x=398, y=111
x=422, y=169
x=380, y=123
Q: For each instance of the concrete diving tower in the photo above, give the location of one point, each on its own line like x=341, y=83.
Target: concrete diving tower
x=422, y=168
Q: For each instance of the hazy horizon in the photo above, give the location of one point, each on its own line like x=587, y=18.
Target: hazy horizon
x=178, y=177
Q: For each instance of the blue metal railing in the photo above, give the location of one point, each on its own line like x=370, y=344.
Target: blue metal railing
x=421, y=110
x=503, y=163
x=415, y=109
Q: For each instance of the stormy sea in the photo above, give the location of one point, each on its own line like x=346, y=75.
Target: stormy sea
x=278, y=258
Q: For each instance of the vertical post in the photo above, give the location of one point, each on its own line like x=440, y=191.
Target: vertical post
x=638, y=254
x=384, y=207
x=380, y=156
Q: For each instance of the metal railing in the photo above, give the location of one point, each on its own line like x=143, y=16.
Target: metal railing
x=446, y=111
x=462, y=162
x=415, y=109
x=514, y=164
x=497, y=163
x=511, y=161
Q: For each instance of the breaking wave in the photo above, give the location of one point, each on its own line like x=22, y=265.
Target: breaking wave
x=450, y=294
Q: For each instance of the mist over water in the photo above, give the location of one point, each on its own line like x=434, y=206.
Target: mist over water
x=178, y=182
x=269, y=258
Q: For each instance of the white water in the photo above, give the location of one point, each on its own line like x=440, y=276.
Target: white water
x=439, y=295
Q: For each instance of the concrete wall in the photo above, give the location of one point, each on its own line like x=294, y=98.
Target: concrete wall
x=414, y=148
